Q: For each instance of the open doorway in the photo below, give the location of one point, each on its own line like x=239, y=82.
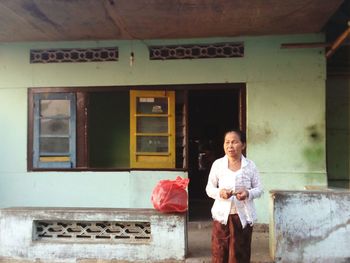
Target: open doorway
x=210, y=114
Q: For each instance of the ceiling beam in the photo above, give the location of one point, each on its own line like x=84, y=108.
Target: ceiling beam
x=305, y=45
x=337, y=43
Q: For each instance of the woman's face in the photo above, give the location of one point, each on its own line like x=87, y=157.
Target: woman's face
x=233, y=145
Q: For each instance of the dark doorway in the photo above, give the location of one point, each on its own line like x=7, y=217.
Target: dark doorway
x=211, y=113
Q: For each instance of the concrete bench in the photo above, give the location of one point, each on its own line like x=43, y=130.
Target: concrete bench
x=42, y=234
x=310, y=226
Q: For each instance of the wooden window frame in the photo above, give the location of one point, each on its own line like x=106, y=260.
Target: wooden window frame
x=152, y=159
x=82, y=120
x=54, y=161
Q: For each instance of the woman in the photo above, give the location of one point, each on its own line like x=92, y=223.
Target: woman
x=233, y=182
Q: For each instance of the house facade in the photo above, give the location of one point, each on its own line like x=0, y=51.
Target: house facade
x=115, y=128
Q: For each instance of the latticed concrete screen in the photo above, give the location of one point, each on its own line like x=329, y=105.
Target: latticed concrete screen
x=215, y=50
x=76, y=231
x=218, y=50
x=74, y=55
x=56, y=234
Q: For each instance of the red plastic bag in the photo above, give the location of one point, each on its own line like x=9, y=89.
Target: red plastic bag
x=170, y=195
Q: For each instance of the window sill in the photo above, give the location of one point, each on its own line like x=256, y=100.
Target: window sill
x=83, y=169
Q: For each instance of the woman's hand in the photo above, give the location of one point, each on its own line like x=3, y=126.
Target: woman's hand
x=242, y=195
x=225, y=194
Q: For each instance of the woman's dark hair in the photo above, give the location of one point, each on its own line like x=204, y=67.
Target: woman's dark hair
x=241, y=134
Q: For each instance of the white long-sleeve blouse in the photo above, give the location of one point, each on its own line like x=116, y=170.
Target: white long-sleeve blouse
x=220, y=177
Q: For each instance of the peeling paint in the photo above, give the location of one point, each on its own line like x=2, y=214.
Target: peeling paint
x=16, y=236
x=306, y=229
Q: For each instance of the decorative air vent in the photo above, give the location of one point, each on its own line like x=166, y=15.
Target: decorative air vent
x=219, y=50
x=82, y=231
x=74, y=55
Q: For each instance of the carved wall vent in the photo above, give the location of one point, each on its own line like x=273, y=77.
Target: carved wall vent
x=219, y=50
x=82, y=231
x=74, y=55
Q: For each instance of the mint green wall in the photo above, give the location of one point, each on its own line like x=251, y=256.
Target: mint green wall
x=285, y=109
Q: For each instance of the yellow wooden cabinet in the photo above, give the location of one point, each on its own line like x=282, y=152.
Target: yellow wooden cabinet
x=152, y=129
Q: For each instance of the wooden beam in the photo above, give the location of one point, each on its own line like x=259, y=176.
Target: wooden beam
x=305, y=45
x=338, y=42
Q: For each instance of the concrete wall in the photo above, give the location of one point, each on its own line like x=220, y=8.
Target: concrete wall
x=310, y=226
x=18, y=241
x=285, y=116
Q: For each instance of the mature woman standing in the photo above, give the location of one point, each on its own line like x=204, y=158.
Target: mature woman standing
x=233, y=182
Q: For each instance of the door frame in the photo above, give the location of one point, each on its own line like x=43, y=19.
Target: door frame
x=242, y=89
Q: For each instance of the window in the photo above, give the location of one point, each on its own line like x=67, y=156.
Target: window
x=123, y=128
x=54, y=131
x=152, y=129
x=106, y=129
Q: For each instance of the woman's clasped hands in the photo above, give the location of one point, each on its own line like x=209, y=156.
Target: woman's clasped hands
x=241, y=194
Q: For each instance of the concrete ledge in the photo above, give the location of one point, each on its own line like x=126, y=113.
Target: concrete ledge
x=310, y=226
x=17, y=244
x=9, y=260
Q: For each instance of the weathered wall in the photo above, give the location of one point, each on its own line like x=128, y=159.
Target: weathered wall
x=285, y=116
x=310, y=226
x=338, y=127
x=19, y=241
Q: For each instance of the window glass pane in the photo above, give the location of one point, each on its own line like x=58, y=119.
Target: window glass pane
x=55, y=108
x=152, y=105
x=54, y=145
x=152, y=144
x=152, y=124
x=54, y=127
